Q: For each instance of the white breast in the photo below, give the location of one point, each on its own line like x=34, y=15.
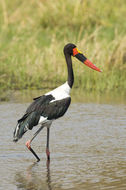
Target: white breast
x=61, y=92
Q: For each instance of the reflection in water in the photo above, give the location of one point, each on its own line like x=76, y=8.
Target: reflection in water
x=29, y=179
x=88, y=150
x=48, y=175
x=103, y=175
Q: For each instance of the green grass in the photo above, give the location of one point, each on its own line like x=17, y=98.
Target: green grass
x=33, y=34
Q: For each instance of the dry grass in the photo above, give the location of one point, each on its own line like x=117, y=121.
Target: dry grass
x=32, y=36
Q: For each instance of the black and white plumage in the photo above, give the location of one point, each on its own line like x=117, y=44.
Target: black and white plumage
x=52, y=105
x=44, y=110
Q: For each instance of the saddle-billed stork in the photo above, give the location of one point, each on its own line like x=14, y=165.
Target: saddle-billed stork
x=52, y=105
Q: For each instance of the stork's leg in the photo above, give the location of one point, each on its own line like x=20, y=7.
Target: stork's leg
x=28, y=143
x=47, y=145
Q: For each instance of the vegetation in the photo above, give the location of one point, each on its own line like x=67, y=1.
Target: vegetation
x=33, y=34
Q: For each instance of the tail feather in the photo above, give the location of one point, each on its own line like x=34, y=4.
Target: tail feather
x=27, y=122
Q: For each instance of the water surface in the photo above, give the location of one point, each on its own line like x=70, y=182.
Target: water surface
x=88, y=149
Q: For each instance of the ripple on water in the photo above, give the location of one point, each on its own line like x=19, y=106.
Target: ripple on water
x=87, y=150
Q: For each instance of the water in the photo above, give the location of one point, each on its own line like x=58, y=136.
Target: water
x=88, y=150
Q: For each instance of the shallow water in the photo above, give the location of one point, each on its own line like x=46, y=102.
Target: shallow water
x=88, y=150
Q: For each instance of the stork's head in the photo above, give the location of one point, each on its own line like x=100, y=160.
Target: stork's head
x=72, y=50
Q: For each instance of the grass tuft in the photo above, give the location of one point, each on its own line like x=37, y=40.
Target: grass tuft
x=33, y=34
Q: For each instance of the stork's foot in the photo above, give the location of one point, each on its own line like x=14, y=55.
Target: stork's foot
x=48, y=164
x=28, y=144
x=48, y=154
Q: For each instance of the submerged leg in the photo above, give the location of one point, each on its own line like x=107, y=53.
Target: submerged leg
x=28, y=143
x=47, y=145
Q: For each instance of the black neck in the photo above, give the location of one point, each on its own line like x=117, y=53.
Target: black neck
x=70, y=70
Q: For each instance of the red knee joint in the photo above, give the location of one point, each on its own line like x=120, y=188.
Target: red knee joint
x=47, y=152
x=28, y=144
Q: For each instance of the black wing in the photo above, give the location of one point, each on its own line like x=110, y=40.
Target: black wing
x=42, y=106
x=55, y=109
x=36, y=104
